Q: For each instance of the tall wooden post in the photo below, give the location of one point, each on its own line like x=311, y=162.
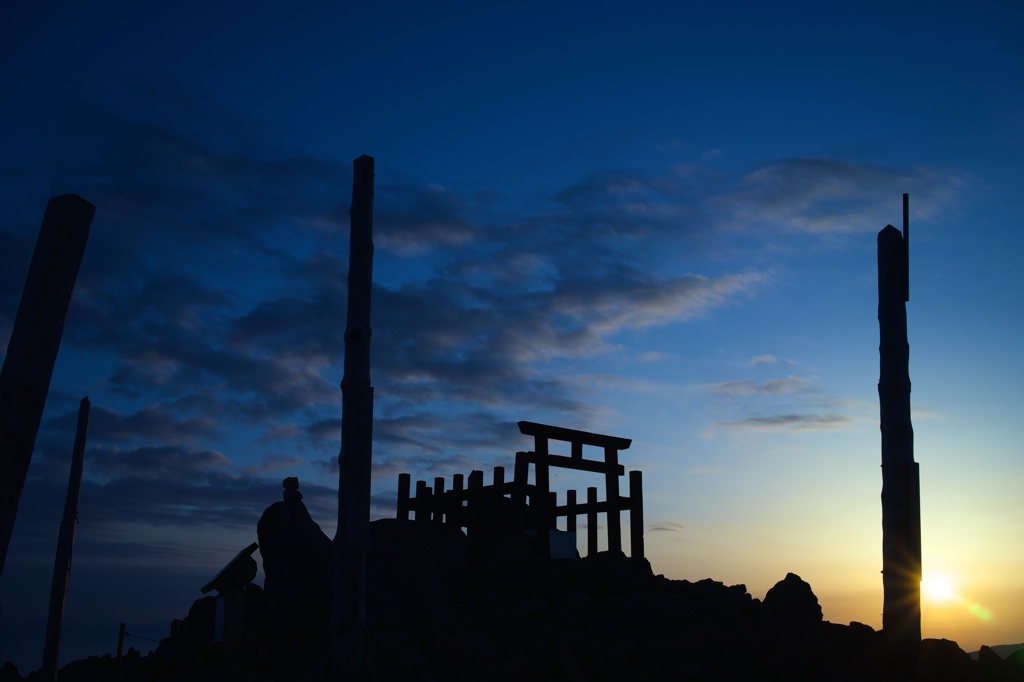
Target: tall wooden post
x=348, y=614
x=901, y=488
x=35, y=340
x=65, y=544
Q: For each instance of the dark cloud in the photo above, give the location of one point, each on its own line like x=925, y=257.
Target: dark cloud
x=155, y=421
x=416, y=219
x=794, y=422
x=667, y=527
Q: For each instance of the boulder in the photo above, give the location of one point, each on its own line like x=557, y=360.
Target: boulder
x=298, y=559
x=792, y=601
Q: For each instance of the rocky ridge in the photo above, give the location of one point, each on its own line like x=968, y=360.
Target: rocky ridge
x=443, y=608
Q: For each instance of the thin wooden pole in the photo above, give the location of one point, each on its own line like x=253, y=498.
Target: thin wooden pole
x=35, y=340
x=611, y=478
x=348, y=613
x=591, y=521
x=65, y=545
x=438, y=497
x=120, y=642
x=901, y=491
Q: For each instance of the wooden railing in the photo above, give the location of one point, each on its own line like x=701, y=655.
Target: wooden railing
x=471, y=505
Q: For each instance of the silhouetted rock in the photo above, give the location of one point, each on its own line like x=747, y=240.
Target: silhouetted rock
x=792, y=601
x=9, y=673
x=942, y=659
x=298, y=559
x=440, y=608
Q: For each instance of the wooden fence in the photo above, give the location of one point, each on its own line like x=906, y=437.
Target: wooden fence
x=471, y=504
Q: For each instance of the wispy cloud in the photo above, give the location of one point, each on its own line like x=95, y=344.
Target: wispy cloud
x=666, y=527
x=768, y=359
x=772, y=387
x=819, y=195
x=794, y=422
x=211, y=304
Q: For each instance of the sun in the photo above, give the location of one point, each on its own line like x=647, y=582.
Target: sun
x=938, y=589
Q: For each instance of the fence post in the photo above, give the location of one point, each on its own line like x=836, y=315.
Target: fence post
x=438, y=500
x=404, y=482
x=543, y=501
x=455, y=508
x=591, y=521
x=570, y=511
x=611, y=478
x=636, y=515
x=422, y=506
x=521, y=476
x=476, y=484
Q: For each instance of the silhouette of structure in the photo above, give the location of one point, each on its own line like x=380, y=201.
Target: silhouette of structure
x=35, y=340
x=533, y=506
x=65, y=545
x=901, y=487
x=348, y=613
x=230, y=585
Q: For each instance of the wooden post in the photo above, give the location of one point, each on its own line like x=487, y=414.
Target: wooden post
x=542, y=501
x=521, y=477
x=636, y=515
x=120, y=643
x=404, y=483
x=611, y=484
x=422, y=510
x=456, y=508
x=475, y=495
x=901, y=502
x=570, y=511
x=591, y=521
x=35, y=340
x=348, y=613
x=65, y=545
x=438, y=498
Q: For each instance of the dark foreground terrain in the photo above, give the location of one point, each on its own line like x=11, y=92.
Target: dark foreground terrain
x=441, y=609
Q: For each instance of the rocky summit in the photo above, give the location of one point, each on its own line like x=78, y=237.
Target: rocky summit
x=441, y=607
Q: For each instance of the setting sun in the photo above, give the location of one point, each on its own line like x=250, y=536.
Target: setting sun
x=938, y=589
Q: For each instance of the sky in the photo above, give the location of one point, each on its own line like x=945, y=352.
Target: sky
x=653, y=220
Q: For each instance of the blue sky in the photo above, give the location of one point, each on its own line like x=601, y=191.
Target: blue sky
x=655, y=221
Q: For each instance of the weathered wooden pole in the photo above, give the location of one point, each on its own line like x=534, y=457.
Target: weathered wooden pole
x=901, y=488
x=120, y=642
x=348, y=614
x=35, y=340
x=65, y=544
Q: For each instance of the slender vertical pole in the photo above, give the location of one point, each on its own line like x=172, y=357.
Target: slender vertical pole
x=611, y=487
x=906, y=247
x=35, y=340
x=542, y=503
x=120, y=642
x=901, y=491
x=348, y=616
x=65, y=544
x=591, y=521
